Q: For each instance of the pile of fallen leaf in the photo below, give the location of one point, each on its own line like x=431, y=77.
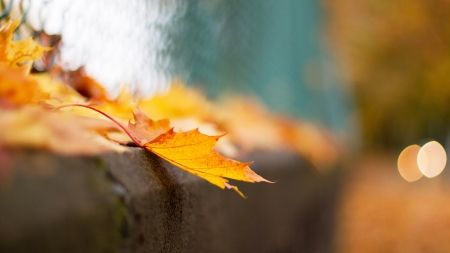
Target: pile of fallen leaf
x=68, y=112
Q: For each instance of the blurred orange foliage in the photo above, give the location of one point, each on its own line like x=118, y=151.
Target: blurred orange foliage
x=395, y=56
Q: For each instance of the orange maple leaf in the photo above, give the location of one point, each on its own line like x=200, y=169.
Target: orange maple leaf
x=191, y=150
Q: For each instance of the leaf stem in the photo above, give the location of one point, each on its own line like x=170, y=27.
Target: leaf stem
x=106, y=115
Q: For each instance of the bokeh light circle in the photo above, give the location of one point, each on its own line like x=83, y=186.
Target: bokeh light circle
x=407, y=163
x=431, y=159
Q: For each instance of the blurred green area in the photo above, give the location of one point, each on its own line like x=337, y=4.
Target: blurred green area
x=395, y=56
x=270, y=49
x=384, y=63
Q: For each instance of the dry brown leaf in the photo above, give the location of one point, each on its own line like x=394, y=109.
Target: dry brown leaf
x=145, y=129
x=81, y=82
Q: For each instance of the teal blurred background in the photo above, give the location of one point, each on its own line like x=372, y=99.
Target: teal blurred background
x=275, y=50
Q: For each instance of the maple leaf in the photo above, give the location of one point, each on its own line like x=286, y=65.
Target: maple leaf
x=191, y=150
x=145, y=129
x=16, y=88
x=14, y=52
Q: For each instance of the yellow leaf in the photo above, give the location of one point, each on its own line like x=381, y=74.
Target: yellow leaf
x=31, y=126
x=56, y=92
x=191, y=151
x=16, y=88
x=179, y=101
x=14, y=52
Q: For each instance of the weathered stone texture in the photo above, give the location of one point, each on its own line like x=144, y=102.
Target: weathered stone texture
x=135, y=202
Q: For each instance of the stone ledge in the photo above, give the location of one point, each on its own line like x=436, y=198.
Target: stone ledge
x=75, y=208
x=57, y=204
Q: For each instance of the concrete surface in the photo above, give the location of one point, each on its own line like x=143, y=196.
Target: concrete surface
x=57, y=204
x=136, y=202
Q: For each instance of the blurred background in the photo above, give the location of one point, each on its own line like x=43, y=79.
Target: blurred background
x=275, y=51
x=376, y=73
